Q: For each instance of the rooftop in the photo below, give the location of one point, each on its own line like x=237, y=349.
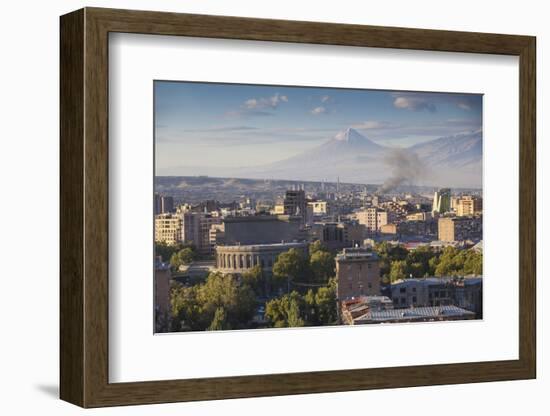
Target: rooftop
x=418, y=313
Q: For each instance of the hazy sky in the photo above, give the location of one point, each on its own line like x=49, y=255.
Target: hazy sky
x=233, y=125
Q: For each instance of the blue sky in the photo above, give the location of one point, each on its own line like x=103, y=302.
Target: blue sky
x=233, y=125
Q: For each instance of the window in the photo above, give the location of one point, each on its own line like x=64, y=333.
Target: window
x=414, y=289
x=414, y=299
x=403, y=290
x=403, y=300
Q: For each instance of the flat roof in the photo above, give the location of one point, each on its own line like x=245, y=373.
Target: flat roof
x=416, y=312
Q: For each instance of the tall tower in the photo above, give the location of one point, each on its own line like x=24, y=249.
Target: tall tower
x=442, y=201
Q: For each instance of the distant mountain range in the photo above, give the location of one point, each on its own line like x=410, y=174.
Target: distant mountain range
x=454, y=161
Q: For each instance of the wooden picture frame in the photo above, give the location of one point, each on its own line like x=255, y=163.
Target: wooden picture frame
x=84, y=207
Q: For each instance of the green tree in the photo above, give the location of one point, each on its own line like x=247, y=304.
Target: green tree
x=419, y=261
x=219, y=321
x=290, y=265
x=316, y=246
x=222, y=302
x=186, y=311
x=185, y=256
x=473, y=263
x=238, y=300
x=254, y=278
x=398, y=270
x=166, y=251
x=326, y=305
x=285, y=311
x=322, y=265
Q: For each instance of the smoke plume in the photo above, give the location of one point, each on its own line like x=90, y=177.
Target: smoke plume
x=406, y=169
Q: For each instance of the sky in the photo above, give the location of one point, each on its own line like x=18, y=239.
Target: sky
x=235, y=125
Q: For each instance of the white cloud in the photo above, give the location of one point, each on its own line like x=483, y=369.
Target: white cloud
x=265, y=102
x=374, y=125
x=319, y=110
x=413, y=103
x=325, y=98
x=464, y=106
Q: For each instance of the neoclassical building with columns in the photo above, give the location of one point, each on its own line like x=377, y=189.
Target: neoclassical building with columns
x=240, y=258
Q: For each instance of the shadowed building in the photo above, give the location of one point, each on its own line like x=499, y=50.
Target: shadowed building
x=162, y=295
x=241, y=258
x=261, y=229
x=357, y=273
x=459, y=228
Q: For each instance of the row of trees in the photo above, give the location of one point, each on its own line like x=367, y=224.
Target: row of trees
x=313, y=298
x=221, y=302
x=294, y=266
x=316, y=307
x=230, y=302
x=177, y=255
x=396, y=262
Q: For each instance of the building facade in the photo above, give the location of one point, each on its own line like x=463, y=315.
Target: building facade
x=168, y=229
x=468, y=206
x=262, y=229
x=241, y=258
x=373, y=219
x=459, y=228
x=196, y=230
x=295, y=203
x=442, y=201
x=464, y=292
x=357, y=273
x=162, y=295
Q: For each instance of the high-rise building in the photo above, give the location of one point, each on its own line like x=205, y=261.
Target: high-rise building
x=357, y=273
x=157, y=207
x=168, y=229
x=442, y=201
x=295, y=203
x=469, y=206
x=196, y=230
x=166, y=204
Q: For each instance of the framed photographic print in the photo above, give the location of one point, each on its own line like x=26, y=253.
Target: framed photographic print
x=255, y=207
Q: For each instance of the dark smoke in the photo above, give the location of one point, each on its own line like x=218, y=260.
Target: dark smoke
x=406, y=169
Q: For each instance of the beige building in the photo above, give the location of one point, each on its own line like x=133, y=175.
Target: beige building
x=468, y=206
x=373, y=219
x=459, y=228
x=388, y=229
x=320, y=208
x=357, y=273
x=419, y=216
x=168, y=229
x=278, y=209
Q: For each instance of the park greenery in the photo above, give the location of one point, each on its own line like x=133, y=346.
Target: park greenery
x=221, y=302
x=304, y=285
x=397, y=263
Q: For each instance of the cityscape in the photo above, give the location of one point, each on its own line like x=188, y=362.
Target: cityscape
x=361, y=222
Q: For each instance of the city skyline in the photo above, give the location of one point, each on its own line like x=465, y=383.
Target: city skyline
x=253, y=125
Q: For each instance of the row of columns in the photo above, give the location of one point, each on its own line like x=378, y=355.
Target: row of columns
x=244, y=261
